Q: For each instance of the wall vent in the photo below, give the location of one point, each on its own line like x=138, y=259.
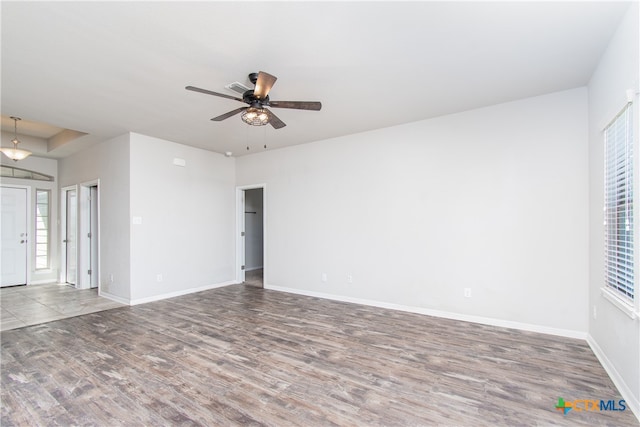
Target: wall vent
x=237, y=87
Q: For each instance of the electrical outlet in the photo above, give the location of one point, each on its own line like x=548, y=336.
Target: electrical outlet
x=324, y=277
x=349, y=278
x=159, y=278
x=467, y=292
x=595, y=312
x=111, y=278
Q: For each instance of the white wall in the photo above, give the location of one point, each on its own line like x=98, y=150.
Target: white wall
x=47, y=167
x=614, y=335
x=494, y=199
x=188, y=219
x=187, y=214
x=108, y=162
x=253, y=226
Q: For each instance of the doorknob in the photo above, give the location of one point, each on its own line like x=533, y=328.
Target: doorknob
x=65, y=241
x=21, y=241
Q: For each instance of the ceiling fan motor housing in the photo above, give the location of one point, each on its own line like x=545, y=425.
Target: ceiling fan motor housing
x=249, y=98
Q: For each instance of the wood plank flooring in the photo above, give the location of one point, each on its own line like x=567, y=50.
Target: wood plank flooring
x=241, y=355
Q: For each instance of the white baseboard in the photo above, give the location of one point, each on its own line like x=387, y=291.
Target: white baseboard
x=42, y=282
x=112, y=297
x=632, y=402
x=180, y=293
x=437, y=313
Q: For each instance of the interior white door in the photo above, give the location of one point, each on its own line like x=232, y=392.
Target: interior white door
x=13, y=236
x=71, y=238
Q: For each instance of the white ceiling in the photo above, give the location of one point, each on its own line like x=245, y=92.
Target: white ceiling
x=106, y=68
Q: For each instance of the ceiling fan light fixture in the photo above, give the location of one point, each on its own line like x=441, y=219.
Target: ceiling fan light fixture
x=15, y=153
x=257, y=99
x=255, y=116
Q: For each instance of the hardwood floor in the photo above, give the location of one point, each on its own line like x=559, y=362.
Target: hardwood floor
x=241, y=355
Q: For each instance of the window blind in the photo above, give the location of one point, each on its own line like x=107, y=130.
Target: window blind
x=618, y=209
x=42, y=228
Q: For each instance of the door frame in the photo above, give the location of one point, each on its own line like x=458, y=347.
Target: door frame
x=84, y=227
x=63, y=234
x=30, y=252
x=240, y=246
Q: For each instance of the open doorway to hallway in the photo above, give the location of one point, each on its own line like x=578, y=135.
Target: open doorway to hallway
x=252, y=236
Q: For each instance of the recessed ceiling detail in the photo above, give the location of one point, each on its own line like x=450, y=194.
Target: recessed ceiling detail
x=44, y=138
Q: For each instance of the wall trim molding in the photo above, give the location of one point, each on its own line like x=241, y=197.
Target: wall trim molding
x=568, y=333
x=42, y=282
x=618, y=380
x=128, y=301
x=180, y=293
x=113, y=297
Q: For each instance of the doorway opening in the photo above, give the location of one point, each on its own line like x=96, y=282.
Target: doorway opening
x=80, y=230
x=251, y=235
x=89, y=235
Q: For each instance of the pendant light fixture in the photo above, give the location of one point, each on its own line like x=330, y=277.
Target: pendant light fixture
x=15, y=153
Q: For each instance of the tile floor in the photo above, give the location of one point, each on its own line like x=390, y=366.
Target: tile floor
x=34, y=304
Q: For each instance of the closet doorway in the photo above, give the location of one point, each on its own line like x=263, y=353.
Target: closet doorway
x=251, y=244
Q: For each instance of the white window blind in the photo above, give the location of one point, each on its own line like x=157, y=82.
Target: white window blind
x=618, y=208
x=42, y=228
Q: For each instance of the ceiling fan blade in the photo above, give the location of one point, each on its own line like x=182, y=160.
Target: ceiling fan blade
x=229, y=114
x=298, y=105
x=275, y=121
x=263, y=84
x=208, y=92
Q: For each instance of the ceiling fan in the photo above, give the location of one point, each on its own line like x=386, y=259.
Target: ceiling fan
x=256, y=114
